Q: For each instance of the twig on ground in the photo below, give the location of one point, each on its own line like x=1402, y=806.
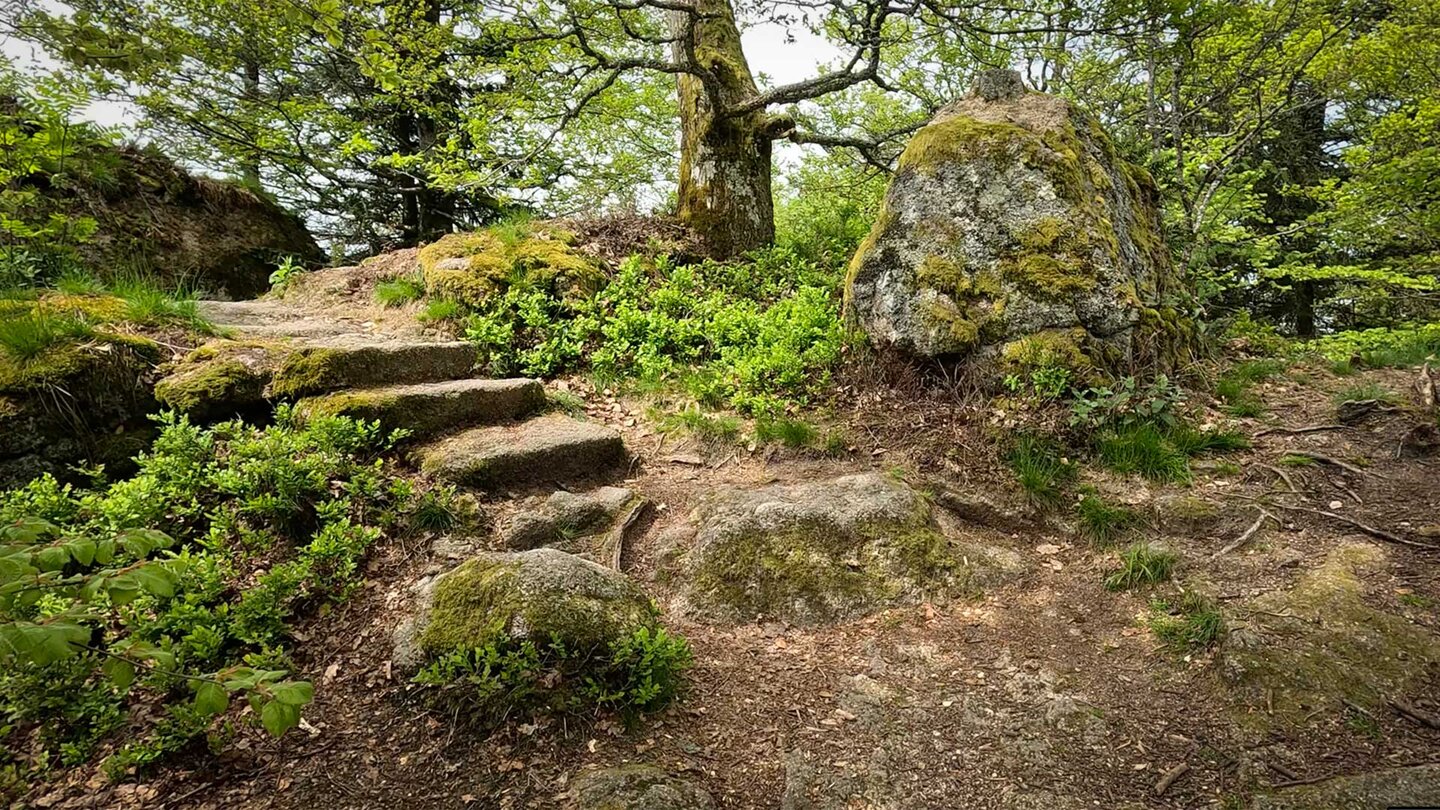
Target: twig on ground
x=1170, y=777
x=620, y=532
x=1284, y=476
x=1299, y=430
x=1410, y=711
x=1380, y=534
x=1247, y=534
x=1327, y=460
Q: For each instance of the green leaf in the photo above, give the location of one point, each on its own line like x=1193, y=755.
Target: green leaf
x=120, y=671
x=278, y=718
x=81, y=549
x=295, y=693
x=28, y=531
x=211, y=698
x=140, y=542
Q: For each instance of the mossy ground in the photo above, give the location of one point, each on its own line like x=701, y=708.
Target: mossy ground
x=1322, y=643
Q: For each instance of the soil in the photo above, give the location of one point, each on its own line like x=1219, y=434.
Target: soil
x=1048, y=691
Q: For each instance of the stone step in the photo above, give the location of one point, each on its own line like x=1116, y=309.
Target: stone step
x=544, y=449
x=429, y=408
x=226, y=377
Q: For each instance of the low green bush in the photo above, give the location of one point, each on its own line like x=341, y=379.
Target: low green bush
x=177, y=587
x=754, y=335
x=636, y=673
x=1398, y=347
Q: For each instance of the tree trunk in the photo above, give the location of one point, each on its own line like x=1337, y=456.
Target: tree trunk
x=725, y=193
x=250, y=164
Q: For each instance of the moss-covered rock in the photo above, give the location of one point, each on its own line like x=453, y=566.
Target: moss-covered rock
x=472, y=267
x=542, y=595
x=1322, y=643
x=825, y=551
x=1011, y=216
x=637, y=787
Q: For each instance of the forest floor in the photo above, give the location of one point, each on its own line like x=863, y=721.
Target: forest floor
x=1047, y=691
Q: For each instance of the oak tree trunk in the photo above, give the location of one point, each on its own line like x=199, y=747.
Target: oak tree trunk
x=725, y=193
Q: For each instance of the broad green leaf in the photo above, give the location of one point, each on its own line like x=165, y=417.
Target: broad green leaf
x=120, y=672
x=295, y=693
x=211, y=698
x=278, y=718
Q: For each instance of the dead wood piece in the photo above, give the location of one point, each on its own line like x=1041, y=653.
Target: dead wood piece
x=1299, y=430
x=623, y=529
x=1324, y=459
x=1247, y=534
x=1170, y=777
x=1354, y=411
x=1407, y=709
x=1425, y=388
x=1420, y=441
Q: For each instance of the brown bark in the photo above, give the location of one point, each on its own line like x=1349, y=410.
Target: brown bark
x=725, y=190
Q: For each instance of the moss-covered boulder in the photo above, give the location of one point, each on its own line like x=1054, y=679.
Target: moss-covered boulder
x=536, y=596
x=472, y=267
x=826, y=550
x=1322, y=643
x=1013, y=232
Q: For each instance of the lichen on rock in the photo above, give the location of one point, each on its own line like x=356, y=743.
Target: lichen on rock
x=825, y=551
x=1011, y=216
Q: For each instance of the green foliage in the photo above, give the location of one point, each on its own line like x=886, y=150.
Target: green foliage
x=28, y=336
x=1363, y=392
x=1127, y=403
x=1041, y=469
x=1102, y=523
x=1192, y=622
x=398, y=291
x=149, y=303
x=287, y=272
x=440, y=310
x=1141, y=564
x=1397, y=347
x=637, y=673
x=786, y=431
x=709, y=427
x=1233, y=387
x=753, y=335
x=178, y=585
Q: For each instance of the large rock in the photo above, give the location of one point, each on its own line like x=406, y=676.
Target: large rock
x=1012, y=231
x=637, y=787
x=538, y=596
x=1417, y=786
x=823, y=551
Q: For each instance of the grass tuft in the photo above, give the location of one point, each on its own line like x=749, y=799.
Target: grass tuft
x=1362, y=392
x=438, y=310
x=1193, y=622
x=1146, y=450
x=1101, y=523
x=26, y=337
x=1141, y=564
x=398, y=292
x=786, y=431
x=711, y=428
x=1041, y=470
x=149, y=304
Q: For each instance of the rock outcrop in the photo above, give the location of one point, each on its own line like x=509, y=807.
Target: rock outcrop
x=824, y=551
x=542, y=596
x=1012, y=231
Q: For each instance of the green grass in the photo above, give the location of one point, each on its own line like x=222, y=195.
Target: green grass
x=79, y=282
x=1042, y=470
x=1192, y=622
x=398, y=292
x=1141, y=564
x=1194, y=442
x=26, y=337
x=1362, y=392
x=565, y=401
x=1101, y=523
x=711, y=428
x=1296, y=461
x=1143, y=449
x=147, y=303
x=1233, y=387
x=786, y=431
x=437, y=310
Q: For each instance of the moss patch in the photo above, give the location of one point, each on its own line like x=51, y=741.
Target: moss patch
x=1321, y=643
x=472, y=267
x=210, y=385
x=307, y=371
x=1052, y=348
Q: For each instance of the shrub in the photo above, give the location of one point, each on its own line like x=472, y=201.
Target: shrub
x=177, y=586
x=636, y=673
x=1189, y=623
x=1400, y=346
x=1041, y=470
x=1141, y=564
x=1127, y=403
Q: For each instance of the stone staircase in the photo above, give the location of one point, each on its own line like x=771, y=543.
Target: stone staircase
x=487, y=434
